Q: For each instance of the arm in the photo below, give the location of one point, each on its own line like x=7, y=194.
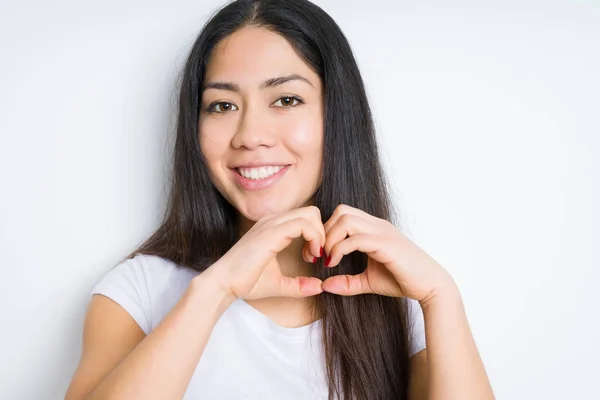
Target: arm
x=397, y=267
x=455, y=369
x=119, y=363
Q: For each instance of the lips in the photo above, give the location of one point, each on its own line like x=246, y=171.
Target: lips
x=259, y=178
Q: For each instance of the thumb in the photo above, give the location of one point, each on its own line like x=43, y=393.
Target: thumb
x=347, y=285
x=300, y=286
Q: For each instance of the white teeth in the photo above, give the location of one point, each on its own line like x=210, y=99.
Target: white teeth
x=260, y=172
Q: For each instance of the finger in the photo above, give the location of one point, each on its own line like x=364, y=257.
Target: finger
x=301, y=286
x=341, y=210
x=373, y=245
x=347, y=285
x=306, y=250
x=299, y=227
x=311, y=213
x=347, y=225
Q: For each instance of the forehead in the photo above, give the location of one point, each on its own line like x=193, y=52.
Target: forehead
x=251, y=55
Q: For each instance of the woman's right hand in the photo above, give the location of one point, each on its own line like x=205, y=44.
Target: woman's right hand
x=249, y=270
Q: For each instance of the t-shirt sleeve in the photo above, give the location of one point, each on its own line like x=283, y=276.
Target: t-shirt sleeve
x=416, y=327
x=126, y=284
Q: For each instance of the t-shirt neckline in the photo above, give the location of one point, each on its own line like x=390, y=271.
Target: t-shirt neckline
x=265, y=322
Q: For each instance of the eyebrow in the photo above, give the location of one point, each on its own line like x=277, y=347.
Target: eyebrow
x=269, y=83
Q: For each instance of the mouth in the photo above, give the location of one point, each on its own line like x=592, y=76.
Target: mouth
x=259, y=178
x=259, y=173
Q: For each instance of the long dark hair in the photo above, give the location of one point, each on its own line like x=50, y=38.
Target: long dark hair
x=365, y=336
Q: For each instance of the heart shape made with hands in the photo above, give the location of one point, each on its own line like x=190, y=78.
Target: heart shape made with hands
x=396, y=267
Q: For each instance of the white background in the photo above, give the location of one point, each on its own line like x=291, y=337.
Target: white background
x=489, y=116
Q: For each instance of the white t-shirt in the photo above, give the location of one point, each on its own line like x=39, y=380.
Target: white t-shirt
x=248, y=356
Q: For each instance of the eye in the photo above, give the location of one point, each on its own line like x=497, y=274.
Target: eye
x=222, y=107
x=288, y=101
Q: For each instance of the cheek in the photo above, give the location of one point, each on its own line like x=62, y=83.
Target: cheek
x=212, y=148
x=305, y=137
x=213, y=142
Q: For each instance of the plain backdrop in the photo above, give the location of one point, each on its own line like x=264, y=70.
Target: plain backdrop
x=489, y=118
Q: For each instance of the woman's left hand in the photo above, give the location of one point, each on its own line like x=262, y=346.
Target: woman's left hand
x=397, y=267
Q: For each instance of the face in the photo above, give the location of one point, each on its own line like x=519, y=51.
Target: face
x=261, y=124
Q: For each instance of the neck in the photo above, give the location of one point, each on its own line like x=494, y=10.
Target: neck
x=291, y=262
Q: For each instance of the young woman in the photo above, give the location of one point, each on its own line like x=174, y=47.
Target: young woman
x=277, y=272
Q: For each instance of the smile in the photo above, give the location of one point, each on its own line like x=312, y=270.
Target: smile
x=260, y=172
x=258, y=178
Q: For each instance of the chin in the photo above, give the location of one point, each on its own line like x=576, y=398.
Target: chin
x=254, y=211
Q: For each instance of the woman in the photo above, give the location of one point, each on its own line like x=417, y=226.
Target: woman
x=276, y=273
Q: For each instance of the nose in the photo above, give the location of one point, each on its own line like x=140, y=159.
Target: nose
x=254, y=130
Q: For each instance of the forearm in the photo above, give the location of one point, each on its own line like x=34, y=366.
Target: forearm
x=161, y=366
x=455, y=368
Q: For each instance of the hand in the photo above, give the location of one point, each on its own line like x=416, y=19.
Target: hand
x=249, y=270
x=396, y=266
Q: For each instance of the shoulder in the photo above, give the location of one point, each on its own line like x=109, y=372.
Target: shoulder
x=144, y=285
x=145, y=271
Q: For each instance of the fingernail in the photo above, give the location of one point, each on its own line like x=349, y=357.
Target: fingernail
x=314, y=260
x=321, y=252
x=327, y=261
